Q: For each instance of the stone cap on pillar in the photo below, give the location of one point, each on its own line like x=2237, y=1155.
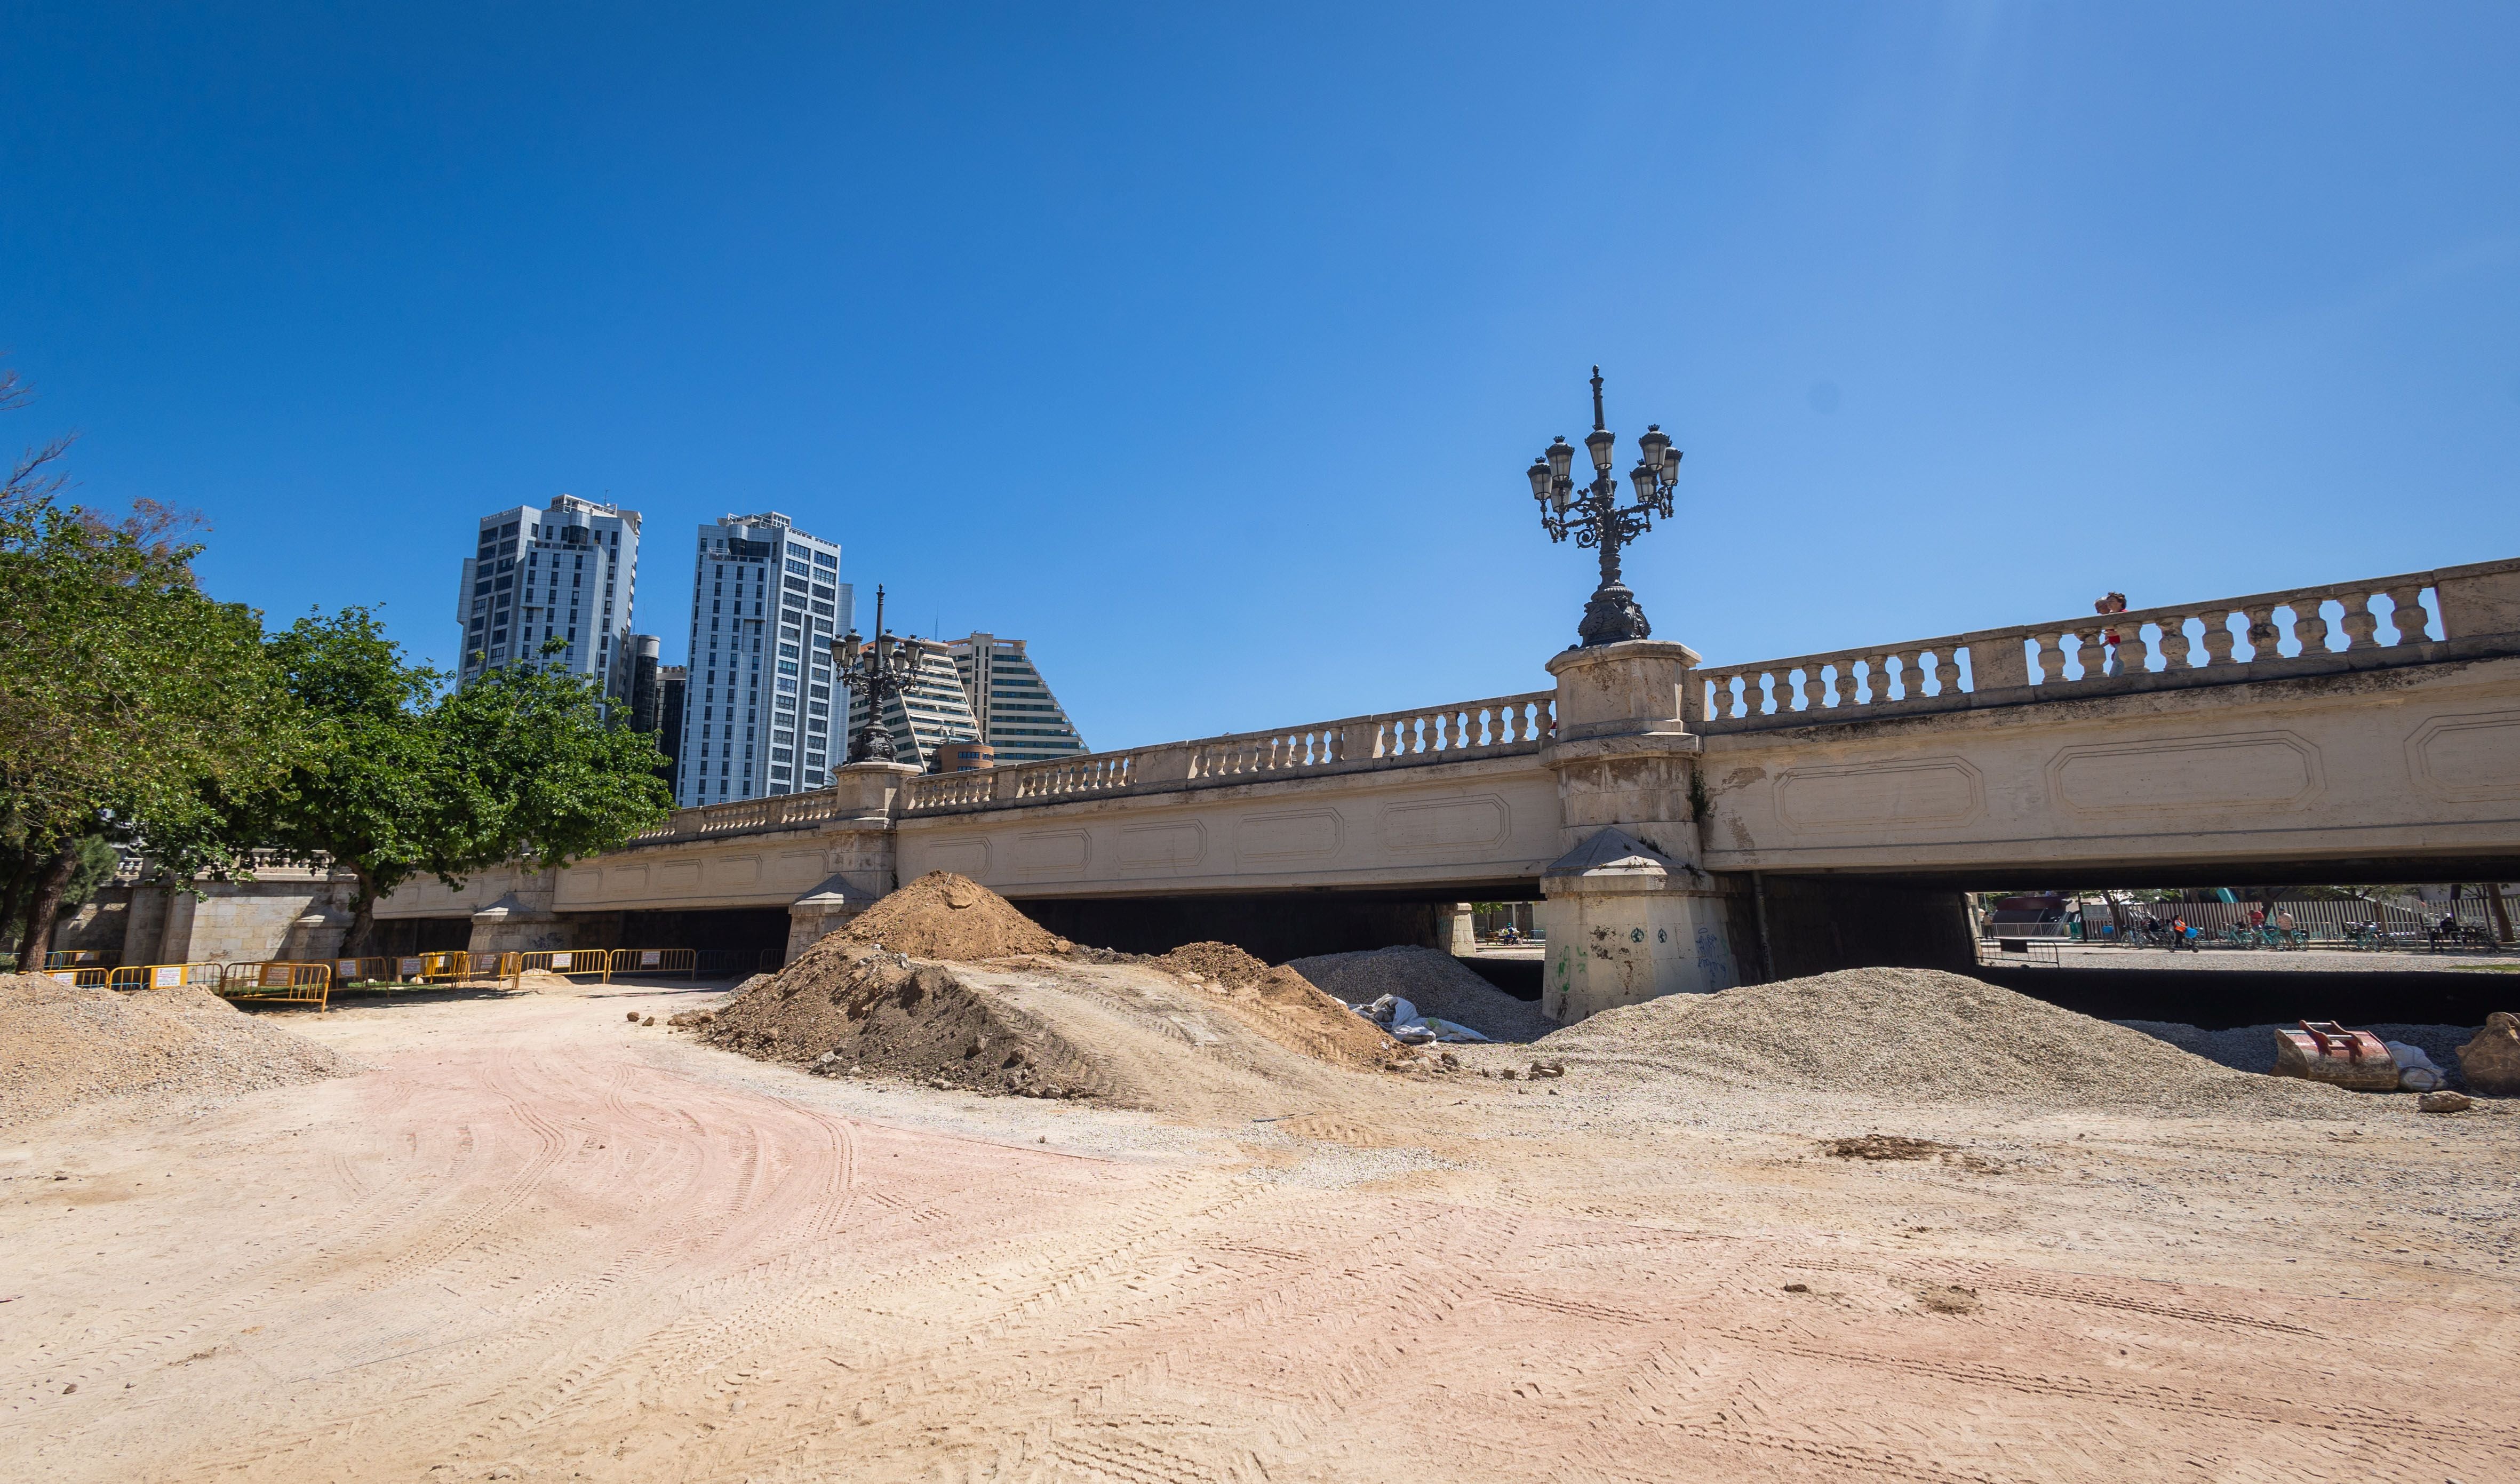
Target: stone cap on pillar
x=1615, y=861
x=1638, y=686
x=508, y=909
x=833, y=895
x=870, y=790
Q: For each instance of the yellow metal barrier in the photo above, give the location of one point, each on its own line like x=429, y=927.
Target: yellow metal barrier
x=76, y=958
x=570, y=962
x=446, y=967
x=168, y=975
x=85, y=979
x=655, y=961
x=369, y=970
x=280, y=980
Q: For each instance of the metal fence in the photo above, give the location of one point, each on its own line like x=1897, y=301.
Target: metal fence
x=2329, y=922
x=279, y=981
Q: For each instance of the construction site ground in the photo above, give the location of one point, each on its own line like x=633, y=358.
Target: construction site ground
x=533, y=1240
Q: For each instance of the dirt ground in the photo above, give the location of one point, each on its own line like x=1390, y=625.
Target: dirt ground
x=536, y=1241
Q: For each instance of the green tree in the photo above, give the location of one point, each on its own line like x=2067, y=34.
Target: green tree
x=125, y=690
x=400, y=779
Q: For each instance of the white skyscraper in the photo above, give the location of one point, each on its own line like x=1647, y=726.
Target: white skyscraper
x=566, y=573
x=757, y=712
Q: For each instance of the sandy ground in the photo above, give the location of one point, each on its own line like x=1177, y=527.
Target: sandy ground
x=537, y=1241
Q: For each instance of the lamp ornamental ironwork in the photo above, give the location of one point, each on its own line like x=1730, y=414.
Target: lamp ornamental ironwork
x=1593, y=515
x=874, y=673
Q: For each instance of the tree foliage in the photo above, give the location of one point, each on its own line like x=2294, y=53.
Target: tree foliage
x=400, y=779
x=126, y=696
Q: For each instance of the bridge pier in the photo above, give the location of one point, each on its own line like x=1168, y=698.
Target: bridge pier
x=858, y=849
x=1630, y=912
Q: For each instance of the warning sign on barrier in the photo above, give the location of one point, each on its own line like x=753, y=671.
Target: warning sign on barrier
x=165, y=975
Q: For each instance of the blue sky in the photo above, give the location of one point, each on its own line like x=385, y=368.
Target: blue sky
x=1204, y=345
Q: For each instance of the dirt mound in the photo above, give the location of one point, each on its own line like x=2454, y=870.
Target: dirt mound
x=1221, y=962
x=944, y=916
x=61, y=1046
x=1916, y=1035
x=1125, y=1034
x=1434, y=981
x=1280, y=1003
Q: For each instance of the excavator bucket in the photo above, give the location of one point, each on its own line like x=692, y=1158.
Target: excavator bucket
x=2326, y=1051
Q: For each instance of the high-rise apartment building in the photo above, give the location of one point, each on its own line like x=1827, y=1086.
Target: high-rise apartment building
x=569, y=572
x=757, y=711
x=1010, y=703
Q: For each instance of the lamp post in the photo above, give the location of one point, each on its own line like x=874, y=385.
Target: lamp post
x=872, y=675
x=1592, y=513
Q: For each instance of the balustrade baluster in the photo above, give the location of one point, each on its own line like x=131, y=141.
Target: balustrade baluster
x=2174, y=641
x=1795, y=678
x=2409, y=617
x=2359, y=622
x=2266, y=640
x=2048, y=671
x=2218, y=638
x=2309, y=626
x=1946, y=674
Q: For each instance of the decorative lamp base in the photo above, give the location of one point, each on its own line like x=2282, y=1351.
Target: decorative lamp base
x=1612, y=617
x=872, y=744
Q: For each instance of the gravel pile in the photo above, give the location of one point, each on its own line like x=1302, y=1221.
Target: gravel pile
x=944, y=916
x=2252, y=1047
x=1917, y=1035
x=1434, y=981
x=61, y=1047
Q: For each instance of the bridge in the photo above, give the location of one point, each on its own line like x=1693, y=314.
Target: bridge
x=1686, y=825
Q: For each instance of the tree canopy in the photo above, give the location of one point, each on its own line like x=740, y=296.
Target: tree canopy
x=399, y=778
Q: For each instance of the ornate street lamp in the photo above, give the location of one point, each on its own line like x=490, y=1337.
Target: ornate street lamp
x=1594, y=515
x=873, y=675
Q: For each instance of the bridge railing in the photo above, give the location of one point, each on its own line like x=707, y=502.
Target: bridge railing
x=778, y=811
x=1457, y=732
x=2308, y=630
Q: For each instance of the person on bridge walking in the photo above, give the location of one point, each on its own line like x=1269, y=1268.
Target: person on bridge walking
x=2113, y=602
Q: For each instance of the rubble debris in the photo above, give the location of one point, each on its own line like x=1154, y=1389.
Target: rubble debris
x=1434, y=982
x=2444, y=1102
x=1883, y=1146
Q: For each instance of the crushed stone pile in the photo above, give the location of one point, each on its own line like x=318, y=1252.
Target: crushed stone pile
x=2252, y=1047
x=944, y=916
x=1434, y=981
x=61, y=1047
x=1919, y=1035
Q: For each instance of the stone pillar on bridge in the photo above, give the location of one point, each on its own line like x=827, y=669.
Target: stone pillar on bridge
x=858, y=850
x=1629, y=911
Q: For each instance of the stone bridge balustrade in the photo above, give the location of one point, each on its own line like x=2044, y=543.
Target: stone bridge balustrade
x=1499, y=727
x=2324, y=629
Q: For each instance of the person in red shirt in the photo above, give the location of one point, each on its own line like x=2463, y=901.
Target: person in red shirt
x=2110, y=664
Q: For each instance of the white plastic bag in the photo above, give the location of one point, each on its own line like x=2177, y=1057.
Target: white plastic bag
x=2415, y=1070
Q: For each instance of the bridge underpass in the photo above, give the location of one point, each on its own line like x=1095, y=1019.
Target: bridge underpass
x=1687, y=825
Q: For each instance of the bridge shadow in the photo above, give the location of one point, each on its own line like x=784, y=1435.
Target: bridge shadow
x=2221, y=999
